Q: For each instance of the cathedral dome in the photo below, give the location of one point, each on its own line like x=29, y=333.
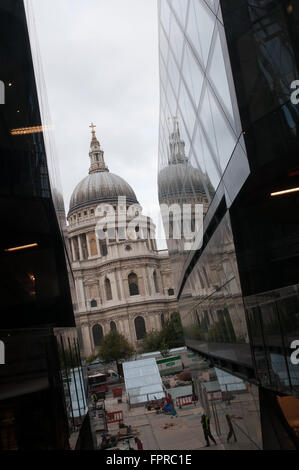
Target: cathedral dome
x=180, y=178
x=100, y=185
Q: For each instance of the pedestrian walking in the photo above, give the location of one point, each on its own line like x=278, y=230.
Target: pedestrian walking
x=231, y=431
x=205, y=422
x=139, y=443
x=95, y=400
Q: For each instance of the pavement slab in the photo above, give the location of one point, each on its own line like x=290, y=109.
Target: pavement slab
x=183, y=432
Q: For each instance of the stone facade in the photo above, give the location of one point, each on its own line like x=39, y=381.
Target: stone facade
x=120, y=283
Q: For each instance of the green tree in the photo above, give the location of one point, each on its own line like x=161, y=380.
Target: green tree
x=172, y=333
x=151, y=341
x=115, y=348
x=170, y=337
x=164, y=349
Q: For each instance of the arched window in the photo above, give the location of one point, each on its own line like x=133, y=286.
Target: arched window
x=108, y=289
x=93, y=303
x=156, y=281
x=112, y=326
x=140, y=327
x=162, y=320
x=133, y=284
x=97, y=333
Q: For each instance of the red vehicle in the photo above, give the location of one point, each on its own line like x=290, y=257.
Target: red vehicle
x=98, y=383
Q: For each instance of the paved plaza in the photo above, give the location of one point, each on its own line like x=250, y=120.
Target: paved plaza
x=181, y=432
x=162, y=432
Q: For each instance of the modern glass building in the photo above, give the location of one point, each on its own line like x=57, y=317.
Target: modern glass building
x=228, y=139
x=37, y=325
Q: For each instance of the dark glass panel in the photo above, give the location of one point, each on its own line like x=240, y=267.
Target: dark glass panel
x=34, y=283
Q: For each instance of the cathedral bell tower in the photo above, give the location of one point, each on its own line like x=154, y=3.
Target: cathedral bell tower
x=176, y=145
x=96, y=155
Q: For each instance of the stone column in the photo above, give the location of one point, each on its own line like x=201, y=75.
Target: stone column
x=117, y=283
x=80, y=294
x=125, y=285
x=120, y=327
x=129, y=329
x=87, y=342
x=150, y=322
x=121, y=286
x=102, y=290
x=158, y=321
x=141, y=282
x=146, y=286
x=80, y=247
x=151, y=281
x=113, y=285
x=106, y=326
x=88, y=246
x=73, y=249
x=161, y=280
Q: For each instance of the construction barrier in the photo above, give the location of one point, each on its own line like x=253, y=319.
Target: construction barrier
x=186, y=400
x=114, y=417
x=117, y=392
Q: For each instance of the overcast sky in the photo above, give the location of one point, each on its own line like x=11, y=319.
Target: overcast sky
x=100, y=63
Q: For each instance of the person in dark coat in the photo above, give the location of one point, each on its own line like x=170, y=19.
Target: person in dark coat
x=139, y=443
x=231, y=431
x=168, y=399
x=205, y=422
x=95, y=400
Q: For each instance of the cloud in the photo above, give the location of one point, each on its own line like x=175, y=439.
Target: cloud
x=100, y=64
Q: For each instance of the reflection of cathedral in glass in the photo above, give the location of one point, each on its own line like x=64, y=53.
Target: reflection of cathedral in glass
x=225, y=72
x=181, y=188
x=179, y=182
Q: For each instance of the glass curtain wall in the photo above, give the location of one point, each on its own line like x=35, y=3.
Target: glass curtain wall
x=238, y=129
x=34, y=272
x=196, y=87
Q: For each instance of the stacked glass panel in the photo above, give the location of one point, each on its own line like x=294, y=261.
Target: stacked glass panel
x=143, y=381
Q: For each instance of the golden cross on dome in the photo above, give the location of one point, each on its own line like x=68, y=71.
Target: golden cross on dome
x=92, y=126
